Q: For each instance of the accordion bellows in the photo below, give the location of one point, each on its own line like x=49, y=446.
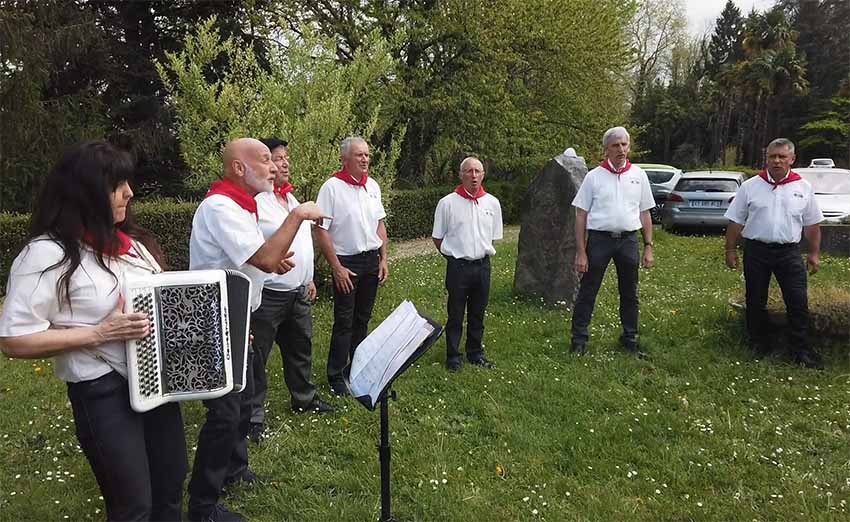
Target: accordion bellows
x=197, y=348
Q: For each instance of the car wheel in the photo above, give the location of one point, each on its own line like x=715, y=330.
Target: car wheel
x=655, y=213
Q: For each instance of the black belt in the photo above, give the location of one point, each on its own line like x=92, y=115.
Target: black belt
x=461, y=261
x=613, y=235
x=368, y=253
x=773, y=246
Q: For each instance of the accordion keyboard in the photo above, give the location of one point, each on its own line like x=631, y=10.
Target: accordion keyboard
x=146, y=348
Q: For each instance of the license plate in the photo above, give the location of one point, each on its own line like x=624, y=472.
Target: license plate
x=704, y=204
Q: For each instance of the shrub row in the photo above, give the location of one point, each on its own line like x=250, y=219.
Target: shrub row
x=410, y=215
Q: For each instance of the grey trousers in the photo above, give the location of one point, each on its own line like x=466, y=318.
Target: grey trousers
x=285, y=318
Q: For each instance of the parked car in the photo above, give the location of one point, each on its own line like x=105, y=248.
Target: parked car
x=700, y=200
x=662, y=179
x=823, y=163
x=832, y=191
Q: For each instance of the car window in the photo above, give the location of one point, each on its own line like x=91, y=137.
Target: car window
x=706, y=185
x=659, y=176
x=822, y=162
x=828, y=182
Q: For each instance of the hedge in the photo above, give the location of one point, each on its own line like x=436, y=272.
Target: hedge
x=410, y=214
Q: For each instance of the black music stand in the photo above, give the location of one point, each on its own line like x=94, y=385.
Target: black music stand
x=383, y=399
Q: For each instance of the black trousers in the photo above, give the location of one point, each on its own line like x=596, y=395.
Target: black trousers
x=468, y=285
x=222, y=452
x=352, y=312
x=786, y=264
x=601, y=249
x=285, y=318
x=138, y=459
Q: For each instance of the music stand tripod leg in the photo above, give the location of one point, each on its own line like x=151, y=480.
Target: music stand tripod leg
x=384, y=454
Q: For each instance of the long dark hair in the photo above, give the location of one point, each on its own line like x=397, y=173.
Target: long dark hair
x=75, y=201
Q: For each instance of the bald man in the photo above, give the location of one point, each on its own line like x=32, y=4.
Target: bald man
x=226, y=235
x=466, y=223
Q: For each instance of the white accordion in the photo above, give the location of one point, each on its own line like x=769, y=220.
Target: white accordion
x=198, y=344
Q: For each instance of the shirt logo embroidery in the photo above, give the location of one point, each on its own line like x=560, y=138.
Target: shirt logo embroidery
x=798, y=195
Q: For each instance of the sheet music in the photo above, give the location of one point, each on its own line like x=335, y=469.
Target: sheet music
x=385, y=350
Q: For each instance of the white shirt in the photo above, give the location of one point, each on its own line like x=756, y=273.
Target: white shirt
x=467, y=228
x=614, y=202
x=32, y=303
x=355, y=212
x=224, y=235
x=774, y=216
x=272, y=215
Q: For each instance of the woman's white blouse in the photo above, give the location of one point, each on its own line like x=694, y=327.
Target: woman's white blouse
x=32, y=303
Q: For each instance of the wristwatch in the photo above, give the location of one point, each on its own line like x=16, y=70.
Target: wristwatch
x=649, y=243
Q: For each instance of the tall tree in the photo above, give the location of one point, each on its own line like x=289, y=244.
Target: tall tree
x=724, y=47
x=657, y=28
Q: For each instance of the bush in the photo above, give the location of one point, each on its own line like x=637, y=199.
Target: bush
x=410, y=214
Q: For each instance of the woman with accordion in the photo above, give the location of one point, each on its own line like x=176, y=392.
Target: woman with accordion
x=64, y=301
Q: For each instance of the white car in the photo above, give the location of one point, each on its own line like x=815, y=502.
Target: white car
x=832, y=192
x=821, y=163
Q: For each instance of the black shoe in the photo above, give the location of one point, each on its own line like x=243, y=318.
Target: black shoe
x=483, y=362
x=219, y=514
x=255, y=432
x=578, y=348
x=809, y=358
x=317, y=406
x=454, y=365
x=247, y=478
x=339, y=389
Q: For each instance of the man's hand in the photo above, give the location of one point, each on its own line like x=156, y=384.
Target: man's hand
x=648, y=258
x=342, y=279
x=383, y=270
x=311, y=291
x=732, y=259
x=309, y=211
x=580, y=264
x=813, y=262
x=286, y=264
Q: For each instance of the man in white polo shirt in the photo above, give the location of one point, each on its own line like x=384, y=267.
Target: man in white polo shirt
x=354, y=241
x=466, y=222
x=226, y=234
x=286, y=313
x=771, y=211
x=612, y=204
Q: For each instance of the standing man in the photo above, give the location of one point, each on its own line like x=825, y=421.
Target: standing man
x=612, y=204
x=770, y=211
x=286, y=313
x=226, y=234
x=354, y=241
x=465, y=224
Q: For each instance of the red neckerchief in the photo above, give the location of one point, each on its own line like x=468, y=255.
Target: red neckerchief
x=464, y=194
x=348, y=178
x=610, y=168
x=283, y=191
x=120, y=249
x=792, y=176
x=239, y=196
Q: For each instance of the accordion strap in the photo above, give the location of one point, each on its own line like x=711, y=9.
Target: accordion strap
x=145, y=261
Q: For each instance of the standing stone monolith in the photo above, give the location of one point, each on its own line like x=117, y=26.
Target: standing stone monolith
x=544, y=266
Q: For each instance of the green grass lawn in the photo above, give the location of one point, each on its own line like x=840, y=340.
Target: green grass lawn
x=700, y=432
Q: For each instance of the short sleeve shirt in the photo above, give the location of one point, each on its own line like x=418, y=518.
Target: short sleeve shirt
x=356, y=212
x=32, y=302
x=272, y=215
x=225, y=236
x=614, y=202
x=467, y=228
x=774, y=215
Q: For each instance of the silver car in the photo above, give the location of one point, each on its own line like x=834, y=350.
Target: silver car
x=700, y=200
x=832, y=192
x=662, y=179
